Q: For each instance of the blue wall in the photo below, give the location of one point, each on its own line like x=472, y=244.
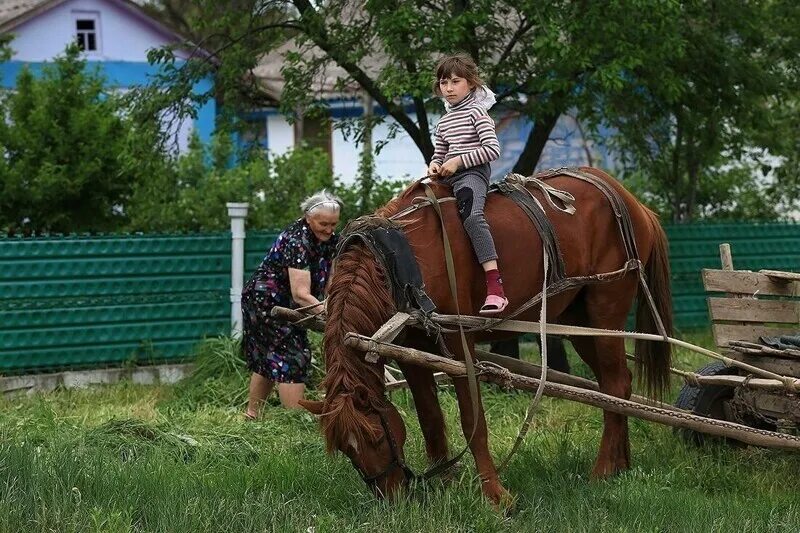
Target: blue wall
x=123, y=74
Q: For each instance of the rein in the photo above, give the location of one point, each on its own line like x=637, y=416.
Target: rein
x=397, y=460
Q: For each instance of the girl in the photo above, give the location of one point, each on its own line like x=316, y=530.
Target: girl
x=465, y=143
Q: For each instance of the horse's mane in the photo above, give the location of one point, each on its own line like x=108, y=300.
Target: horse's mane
x=359, y=301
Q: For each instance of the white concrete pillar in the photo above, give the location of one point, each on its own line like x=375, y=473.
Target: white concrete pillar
x=238, y=214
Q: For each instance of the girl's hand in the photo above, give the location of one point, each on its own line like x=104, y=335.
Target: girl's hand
x=433, y=170
x=450, y=167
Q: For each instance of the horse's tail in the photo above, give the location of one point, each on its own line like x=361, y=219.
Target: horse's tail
x=653, y=357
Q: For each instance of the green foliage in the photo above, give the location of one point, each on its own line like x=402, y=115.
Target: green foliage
x=693, y=88
x=704, y=144
x=359, y=200
x=6, y=51
x=191, y=196
x=217, y=378
x=67, y=151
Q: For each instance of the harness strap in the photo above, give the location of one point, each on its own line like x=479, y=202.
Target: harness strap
x=620, y=208
x=532, y=207
x=472, y=380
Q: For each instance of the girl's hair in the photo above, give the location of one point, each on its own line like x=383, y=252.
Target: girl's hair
x=319, y=201
x=460, y=65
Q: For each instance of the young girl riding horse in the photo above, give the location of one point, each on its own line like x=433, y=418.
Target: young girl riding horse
x=465, y=144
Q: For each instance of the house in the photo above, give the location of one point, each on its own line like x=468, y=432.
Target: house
x=115, y=36
x=399, y=157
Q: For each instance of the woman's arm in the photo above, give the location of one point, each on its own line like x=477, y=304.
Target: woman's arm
x=300, y=285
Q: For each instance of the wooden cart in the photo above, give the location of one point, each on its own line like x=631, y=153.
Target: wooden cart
x=745, y=307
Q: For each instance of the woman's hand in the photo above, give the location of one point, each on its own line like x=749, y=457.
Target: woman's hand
x=433, y=170
x=450, y=167
x=300, y=286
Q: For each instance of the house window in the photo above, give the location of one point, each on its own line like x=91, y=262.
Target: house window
x=255, y=133
x=86, y=32
x=314, y=132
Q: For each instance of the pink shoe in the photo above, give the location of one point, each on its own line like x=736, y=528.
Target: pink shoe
x=493, y=305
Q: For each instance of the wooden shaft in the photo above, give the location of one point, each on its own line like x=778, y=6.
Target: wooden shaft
x=728, y=381
x=532, y=370
x=456, y=369
x=770, y=383
x=290, y=315
x=395, y=385
x=524, y=368
x=790, y=383
x=529, y=369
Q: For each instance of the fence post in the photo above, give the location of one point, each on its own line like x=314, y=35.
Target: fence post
x=238, y=213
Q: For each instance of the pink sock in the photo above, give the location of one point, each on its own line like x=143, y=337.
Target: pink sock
x=494, y=283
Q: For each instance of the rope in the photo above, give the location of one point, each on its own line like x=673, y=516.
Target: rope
x=523, y=430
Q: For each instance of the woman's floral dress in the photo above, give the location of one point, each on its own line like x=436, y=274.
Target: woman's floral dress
x=275, y=349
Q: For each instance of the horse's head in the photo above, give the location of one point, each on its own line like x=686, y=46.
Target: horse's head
x=371, y=433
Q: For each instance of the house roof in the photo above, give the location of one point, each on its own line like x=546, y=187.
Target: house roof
x=325, y=83
x=11, y=10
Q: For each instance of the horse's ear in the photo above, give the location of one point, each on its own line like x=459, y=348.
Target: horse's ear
x=312, y=406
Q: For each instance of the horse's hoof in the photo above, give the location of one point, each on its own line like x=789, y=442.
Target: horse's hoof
x=606, y=471
x=502, y=501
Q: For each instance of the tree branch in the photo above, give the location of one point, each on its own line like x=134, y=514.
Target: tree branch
x=521, y=30
x=321, y=39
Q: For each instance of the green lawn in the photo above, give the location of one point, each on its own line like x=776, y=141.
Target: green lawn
x=180, y=458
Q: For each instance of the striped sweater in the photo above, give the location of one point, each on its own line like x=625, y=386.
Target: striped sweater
x=466, y=130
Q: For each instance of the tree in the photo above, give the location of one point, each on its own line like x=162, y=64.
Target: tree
x=190, y=193
x=541, y=59
x=67, y=162
x=707, y=145
x=711, y=79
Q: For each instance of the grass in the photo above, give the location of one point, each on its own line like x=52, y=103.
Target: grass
x=181, y=458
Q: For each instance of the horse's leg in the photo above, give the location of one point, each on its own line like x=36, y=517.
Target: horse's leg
x=429, y=412
x=479, y=441
x=606, y=357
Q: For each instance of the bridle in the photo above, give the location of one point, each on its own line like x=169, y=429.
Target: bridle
x=396, y=462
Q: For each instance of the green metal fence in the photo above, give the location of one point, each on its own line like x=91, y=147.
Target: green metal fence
x=104, y=300
x=693, y=247
x=82, y=301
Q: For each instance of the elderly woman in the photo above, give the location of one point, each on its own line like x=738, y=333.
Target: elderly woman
x=293, y=274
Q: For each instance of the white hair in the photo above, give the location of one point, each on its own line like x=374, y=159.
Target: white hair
x=321, y=201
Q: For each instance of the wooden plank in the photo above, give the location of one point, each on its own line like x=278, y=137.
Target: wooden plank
x=777, y=405
x=784, y=367
x=752, y=310
x=747, y=283
x=725, y=256
x=754, y=348
x=724, y=333
x=388, y=332
x=779, y=275
x=392, y=327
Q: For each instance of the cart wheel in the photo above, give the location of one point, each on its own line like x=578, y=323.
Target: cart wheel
x=706, y=400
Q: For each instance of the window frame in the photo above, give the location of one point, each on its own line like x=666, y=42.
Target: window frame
x=94, y=16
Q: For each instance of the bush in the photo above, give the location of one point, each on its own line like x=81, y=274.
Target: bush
x=68, y=152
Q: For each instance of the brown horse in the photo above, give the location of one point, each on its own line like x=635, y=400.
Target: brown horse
x=356, y=417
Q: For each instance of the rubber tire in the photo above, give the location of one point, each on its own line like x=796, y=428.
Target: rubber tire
x=706, y=401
